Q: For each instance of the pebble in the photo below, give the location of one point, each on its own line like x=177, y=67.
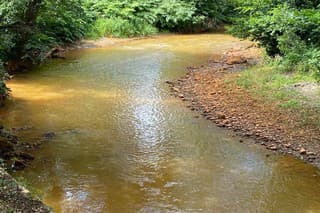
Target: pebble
x=273, y=147
x=302, y=151
x=287, y=145
x=221, y=116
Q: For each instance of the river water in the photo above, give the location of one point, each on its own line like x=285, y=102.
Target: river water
x=123, y=144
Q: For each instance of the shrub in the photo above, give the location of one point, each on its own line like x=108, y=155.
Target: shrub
x=174, y=15
x=117, y=27
x=290, y=29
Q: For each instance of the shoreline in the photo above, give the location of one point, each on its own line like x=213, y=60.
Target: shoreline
x=207, y=90
x=15, y=198
x=15, y=156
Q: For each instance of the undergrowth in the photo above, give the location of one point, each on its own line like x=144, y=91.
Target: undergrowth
x=118, y=27
x=271, y=84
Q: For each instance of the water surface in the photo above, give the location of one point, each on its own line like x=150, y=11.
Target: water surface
x=123, y=144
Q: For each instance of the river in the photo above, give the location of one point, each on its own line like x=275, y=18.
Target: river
x=123, y=144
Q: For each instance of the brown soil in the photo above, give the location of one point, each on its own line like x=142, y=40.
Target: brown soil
x=206, y=89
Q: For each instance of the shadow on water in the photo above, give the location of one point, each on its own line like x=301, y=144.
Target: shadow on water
x=124, y=144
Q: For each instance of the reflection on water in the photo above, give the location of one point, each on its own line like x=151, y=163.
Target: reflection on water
x=123, y=144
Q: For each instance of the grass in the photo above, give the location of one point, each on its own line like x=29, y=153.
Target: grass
x=268, y=83
x=120, y=28
x=33, y=191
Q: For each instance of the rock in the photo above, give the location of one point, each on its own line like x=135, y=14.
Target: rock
x=19, y=164
x=274, y=147
x=302, y=151
x=49, y=135
x=175, y=89
x=5, y=147
x=287, y=145
x=231, y=60
x=311, y=153
x=181, y=96
x=221, y=116
x=26, y=156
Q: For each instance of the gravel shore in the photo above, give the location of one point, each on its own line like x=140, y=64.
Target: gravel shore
x=206, y=89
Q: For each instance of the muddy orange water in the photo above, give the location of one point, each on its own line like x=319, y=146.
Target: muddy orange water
x=123, y=144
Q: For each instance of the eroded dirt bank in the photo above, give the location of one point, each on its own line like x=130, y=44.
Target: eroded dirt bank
x=207, y=89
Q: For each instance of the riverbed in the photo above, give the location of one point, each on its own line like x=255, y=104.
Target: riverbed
x=121, y=143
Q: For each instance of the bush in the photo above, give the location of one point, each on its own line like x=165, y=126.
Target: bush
x=32, y=27
x=267, y=28
x=117, y=27
x=174, y=15
x=298, y=56
x=290, y=30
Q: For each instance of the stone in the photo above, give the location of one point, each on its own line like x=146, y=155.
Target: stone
x=19, y=164
x=235, y=60
x=221, y=116
x=26, y=156
x=5, y=147
x=181, y=96
x=175, y=89
x=49, y=135
x=311, y=153
x=287, y=145
x=302, y=151
x=274, y=147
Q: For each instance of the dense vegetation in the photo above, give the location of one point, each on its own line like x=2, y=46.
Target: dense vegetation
x=288, y=29
x=134, y=17
x=30, y=28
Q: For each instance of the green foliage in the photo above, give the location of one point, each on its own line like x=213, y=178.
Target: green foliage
x=117, y=27
x=29, y=37
x=289, y=28
x=298, y=55
x=174, y=15
x=30, y=28
x=269, y=84
x=58, y=22
x=4, y=91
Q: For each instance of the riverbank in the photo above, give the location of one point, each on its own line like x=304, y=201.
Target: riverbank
x=15, y=198
x=216, y=92
x=14, y=156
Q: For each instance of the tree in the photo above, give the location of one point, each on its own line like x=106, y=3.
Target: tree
x=17, y=20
